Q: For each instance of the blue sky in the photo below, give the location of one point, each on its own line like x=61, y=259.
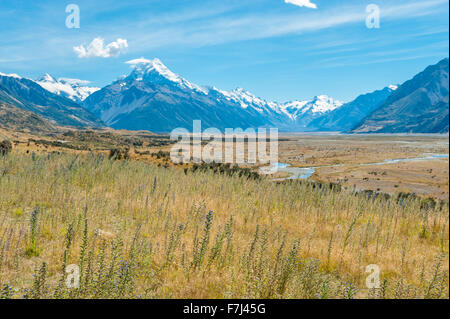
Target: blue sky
x=278, y=51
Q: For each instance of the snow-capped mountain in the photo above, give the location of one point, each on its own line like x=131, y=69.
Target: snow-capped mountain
x=155, y=98
x=304, y=112
x=393, y=87
x=22, y=94
x=319, y=104
x=156, y=72
x=350, y=114
x=74, y=89
x=247, y=99
x=298, y=113
x=12, y=75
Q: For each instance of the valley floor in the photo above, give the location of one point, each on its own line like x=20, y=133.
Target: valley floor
x=346, y=160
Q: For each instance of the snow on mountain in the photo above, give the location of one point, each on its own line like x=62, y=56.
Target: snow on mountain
x=74, y=89
x=153, y=89
x=153, y=97
x=317, y=106
x=293, y=110
x=393, y=87
x=12, y=75
x=29, y=96
x=154, y=71
x=324, y=104
x=247, y=99
x=350, y=114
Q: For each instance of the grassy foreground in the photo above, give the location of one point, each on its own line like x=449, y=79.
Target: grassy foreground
x=141, y=231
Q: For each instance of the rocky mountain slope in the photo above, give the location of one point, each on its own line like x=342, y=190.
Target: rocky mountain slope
x=27, y=95
x=352, y=113
x=419, y=105
x=14, y=119
x=154, y=98
x=74, y=89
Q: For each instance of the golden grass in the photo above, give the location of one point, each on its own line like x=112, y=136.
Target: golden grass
x=141, y=231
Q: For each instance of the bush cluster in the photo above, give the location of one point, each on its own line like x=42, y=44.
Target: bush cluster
x=5, y=147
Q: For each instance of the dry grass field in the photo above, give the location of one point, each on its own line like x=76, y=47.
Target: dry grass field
x=139, y=228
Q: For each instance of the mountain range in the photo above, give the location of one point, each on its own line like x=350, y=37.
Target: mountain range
x=15, y=119
x=419, y=105
x=348, y=115
x=154, y=98
x=27, y=95
x=74, y=89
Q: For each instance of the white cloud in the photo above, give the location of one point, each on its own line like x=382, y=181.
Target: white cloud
x=97, y=48
x=138, y=61
x=302, y=3
x=74, y=81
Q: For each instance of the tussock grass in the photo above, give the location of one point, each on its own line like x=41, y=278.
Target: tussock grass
x=141, y=231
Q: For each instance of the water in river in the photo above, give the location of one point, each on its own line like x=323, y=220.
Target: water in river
x=306, y=172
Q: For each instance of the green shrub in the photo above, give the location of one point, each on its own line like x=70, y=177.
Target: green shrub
x=5, y=147
x=119, y=154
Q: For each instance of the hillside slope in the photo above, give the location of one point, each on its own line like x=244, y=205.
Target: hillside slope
x=14, y=119
x=154, y=98
x=419, y=105
x=27, y=95
x=352, y=113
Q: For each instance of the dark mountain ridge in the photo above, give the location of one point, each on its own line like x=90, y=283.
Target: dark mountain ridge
x=27, y=95
x=419, y=105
